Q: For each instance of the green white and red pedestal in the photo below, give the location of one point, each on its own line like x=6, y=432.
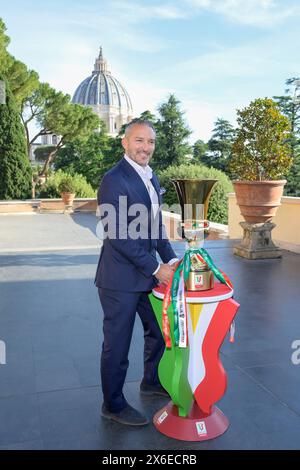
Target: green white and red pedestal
x=194, y=376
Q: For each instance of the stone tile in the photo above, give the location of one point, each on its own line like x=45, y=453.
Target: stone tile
x=54, y=372
x=50, y=318
x=70, y=418
x=60, y=400
x=19, y=420
x=283, y=381
x=70, y=424
x=86, y=442
x=17, y=376
x=252, y=358
x=88, y=369
x=28, y=445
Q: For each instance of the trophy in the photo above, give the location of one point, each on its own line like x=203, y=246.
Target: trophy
x=194, y=325
x=193, y=195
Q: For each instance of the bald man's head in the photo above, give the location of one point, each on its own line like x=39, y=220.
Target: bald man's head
x=139, y=141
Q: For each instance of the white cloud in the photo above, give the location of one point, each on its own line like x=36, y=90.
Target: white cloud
x=169, y=12
x=199, y=113
x=145, y=95
x=252, y=12
x=115, y=30
x=134, y=12
x=201, y=116
x=122, y=23
x=259, y=60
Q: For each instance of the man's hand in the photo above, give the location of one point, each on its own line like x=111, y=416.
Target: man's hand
x=164, y=273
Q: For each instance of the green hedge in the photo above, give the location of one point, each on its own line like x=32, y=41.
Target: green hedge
x=51, y=188
x=218, y=206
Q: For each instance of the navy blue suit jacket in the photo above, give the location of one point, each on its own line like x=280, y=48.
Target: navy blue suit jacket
x=128, y=264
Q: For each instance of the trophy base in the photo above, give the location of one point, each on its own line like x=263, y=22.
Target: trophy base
x=200, y=280
x=197, y=426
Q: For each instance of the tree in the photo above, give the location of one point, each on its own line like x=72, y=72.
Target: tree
x=115, y=151
x=87, y=158
x=15, y=170
x=4, y=42
x=148, y=116
x=200, y=149
x=220, y=145
x=260, y=151
x=290, y=107
x=39, y=107
x=42, y=152
x=172, y=136
x=21, y=80
x=55, y=114
x=72, y=121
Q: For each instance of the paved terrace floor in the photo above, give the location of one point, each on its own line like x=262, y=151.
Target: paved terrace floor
x=50, y=320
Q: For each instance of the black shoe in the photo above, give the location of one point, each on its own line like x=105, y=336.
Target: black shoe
x=152, y=390
x=128, y=416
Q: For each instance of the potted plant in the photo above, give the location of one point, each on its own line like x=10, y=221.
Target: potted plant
x=67, y=189
x=261, y=158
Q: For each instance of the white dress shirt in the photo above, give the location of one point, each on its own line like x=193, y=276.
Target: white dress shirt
x=146, y=175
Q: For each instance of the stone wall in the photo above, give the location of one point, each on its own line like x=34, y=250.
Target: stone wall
x=286, y=234
x=46, y=205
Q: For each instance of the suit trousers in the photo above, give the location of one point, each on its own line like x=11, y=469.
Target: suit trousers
x=119, y=311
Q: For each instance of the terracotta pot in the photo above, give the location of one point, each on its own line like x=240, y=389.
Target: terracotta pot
x=68, y=198
x=258, y=200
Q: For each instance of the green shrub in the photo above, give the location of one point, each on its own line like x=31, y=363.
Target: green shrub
x=53, y=186
x=218, y=208
x=67, y=184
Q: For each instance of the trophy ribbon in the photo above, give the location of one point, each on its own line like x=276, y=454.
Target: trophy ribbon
x=175, y=292
x=182, y=314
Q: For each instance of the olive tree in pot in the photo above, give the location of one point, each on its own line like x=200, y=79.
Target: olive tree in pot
x=67, y=189
x=260, y=160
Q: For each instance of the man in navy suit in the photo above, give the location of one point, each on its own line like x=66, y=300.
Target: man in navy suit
x=128, y=269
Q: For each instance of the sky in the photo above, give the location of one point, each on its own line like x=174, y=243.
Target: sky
x=216, y=56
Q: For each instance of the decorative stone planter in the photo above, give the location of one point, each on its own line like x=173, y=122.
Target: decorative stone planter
x=258, y=202
x=257, y=242
x=68, y=199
